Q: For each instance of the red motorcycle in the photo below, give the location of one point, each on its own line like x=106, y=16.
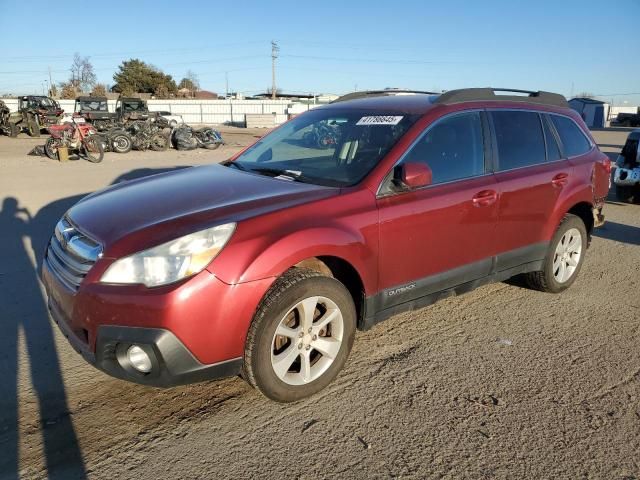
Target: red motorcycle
x=82, y=138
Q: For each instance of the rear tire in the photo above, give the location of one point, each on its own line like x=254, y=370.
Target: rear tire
x=14, y=130
x=564, y=257
x=120, y=142
x=34, y=128
x=290, y=365
x=51, y=148
x=628, y=193
x=159, y=142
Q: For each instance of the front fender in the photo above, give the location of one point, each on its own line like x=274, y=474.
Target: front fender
x=238, y=265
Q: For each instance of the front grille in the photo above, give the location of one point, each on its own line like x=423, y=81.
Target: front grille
x=71, y=254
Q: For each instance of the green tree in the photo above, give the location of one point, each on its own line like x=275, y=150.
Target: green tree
x=136, y=76
x=191, y=83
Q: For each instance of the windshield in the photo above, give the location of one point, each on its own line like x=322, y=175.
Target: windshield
x=327, y=146
x=134, y=106
x=92, y=105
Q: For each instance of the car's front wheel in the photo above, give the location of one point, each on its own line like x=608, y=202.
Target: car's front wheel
x=300, y=337
x=564, y=257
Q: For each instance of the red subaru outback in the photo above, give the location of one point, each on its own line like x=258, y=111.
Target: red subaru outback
x=380, y=202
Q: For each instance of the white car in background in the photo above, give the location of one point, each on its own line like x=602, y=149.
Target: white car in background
x=173, y=119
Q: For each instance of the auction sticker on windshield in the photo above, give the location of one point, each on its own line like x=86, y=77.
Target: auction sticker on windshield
x=380, y=120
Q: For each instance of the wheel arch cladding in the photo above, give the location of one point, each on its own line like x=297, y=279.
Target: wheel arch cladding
x=344, y=272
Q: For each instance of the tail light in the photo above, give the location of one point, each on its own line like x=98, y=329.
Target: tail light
x=606, y=163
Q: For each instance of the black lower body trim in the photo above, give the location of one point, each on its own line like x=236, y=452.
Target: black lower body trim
x=171, y=362
x=458, y=281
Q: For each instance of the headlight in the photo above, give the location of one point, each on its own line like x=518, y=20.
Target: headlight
x=171, y=261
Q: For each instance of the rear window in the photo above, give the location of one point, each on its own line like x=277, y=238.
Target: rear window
x=520, y=139
x=574, y=142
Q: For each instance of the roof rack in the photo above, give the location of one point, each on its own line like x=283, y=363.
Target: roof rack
x=380, y=93
x=488, y=94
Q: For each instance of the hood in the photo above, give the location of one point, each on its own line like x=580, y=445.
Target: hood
x=158, y=208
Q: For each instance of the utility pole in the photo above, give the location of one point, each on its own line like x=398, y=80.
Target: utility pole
x=50, y=81
x=274, y=54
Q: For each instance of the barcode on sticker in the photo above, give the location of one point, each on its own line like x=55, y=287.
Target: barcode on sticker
x=380, y=120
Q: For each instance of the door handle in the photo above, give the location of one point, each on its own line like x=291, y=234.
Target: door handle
x=560, y=180
x=484, y=198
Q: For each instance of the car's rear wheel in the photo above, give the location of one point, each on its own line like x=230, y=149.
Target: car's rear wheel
x=564, y=257
x=300, y=337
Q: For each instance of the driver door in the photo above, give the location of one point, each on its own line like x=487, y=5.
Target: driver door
x=441, y=235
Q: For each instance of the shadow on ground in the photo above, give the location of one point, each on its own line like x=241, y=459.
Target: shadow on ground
x=23, y=311
x=619, y=232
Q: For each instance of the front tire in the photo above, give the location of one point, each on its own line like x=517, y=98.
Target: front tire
x=564, y=257
x=300, y=337
x=92, y=149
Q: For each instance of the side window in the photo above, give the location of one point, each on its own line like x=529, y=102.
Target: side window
x=553, y=151
x=573, y=139
x=519, y=137
x=453, y=148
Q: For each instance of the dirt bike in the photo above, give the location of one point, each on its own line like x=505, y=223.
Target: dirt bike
x=187, y=138
x=77, y=137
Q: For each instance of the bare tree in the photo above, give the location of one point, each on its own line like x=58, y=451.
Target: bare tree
x=83, y=77
x=99, y=90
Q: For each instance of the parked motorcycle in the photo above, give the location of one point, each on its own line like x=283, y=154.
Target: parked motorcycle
x=79, y=137
x=188, y=138
x=322, y=135
x=145, y=135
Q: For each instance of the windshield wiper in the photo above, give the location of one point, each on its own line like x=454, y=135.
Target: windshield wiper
x=278, y=172
x=239, y=166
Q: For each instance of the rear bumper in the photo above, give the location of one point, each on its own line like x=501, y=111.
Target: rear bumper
x=627, y=176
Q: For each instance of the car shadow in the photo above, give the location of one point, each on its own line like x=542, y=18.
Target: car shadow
x=619, y=232
x=24, y=314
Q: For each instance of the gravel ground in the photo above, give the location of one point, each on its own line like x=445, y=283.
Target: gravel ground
x=503, y=382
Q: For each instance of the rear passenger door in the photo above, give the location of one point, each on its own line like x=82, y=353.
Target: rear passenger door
x=531, y=173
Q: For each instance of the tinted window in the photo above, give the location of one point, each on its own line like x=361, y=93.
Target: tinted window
x=327, y=146
x=453, y=148
x=520, y=140
x=573, y=140
x=553, y=151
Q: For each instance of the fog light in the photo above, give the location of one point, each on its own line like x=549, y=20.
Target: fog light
x=139, y=359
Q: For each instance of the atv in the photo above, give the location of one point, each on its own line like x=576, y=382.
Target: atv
x=627, y=175
x=35, y=112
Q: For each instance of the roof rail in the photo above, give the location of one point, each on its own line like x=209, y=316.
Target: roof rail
x=379, y=93
x=488, y=94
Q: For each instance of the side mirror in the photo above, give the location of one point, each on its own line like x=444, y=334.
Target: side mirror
x=413, y=175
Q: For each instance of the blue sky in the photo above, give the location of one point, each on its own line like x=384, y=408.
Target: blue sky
x=335, y=46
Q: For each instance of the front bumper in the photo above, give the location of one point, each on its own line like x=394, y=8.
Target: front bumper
x=627, y=176
x=192, y=331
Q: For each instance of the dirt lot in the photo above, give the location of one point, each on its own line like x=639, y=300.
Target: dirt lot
x=503, y=382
